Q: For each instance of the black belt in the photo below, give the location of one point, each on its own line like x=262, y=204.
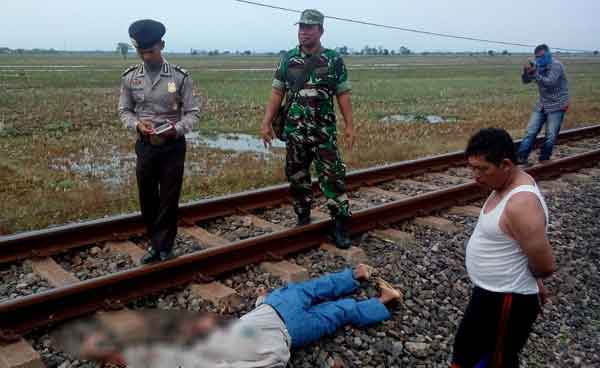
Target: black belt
x=155, y=140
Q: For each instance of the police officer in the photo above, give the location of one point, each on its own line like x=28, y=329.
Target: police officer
x=157, y=102
x=310, y=123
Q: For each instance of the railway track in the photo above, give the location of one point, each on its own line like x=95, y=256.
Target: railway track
x=380, y=196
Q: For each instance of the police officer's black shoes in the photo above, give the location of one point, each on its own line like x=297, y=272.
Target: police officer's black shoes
x=166, y=255
x=153, y=256
x=150, y=257
x=340, y=232
x=303, y=219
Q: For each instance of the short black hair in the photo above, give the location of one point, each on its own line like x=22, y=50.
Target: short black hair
x=541, y=47
x=494, y=144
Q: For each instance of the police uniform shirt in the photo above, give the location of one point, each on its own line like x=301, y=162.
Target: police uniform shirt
x=169, y=96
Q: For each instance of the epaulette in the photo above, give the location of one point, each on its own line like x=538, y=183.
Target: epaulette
x=180, y=69
x=128, y=70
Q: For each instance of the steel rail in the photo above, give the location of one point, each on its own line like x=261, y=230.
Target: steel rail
x=23, y=314
x=54, y=240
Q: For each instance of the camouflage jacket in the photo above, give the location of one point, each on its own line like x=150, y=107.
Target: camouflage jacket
x=313, y=104
x=169, y=97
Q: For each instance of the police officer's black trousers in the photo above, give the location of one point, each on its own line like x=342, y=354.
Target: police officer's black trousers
x=159, y=172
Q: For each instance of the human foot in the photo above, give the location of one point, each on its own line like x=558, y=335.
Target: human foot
x=388, y=292
x=363, y=271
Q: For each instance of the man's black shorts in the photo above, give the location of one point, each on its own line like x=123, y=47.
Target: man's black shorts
x=494, y=329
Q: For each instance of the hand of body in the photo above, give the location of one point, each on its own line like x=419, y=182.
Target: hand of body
x=349, y=136
x=267, y=133
x=529, y=67
x=145, y=127
x=96, y=347
x=266, y=130
x=544, y=293
x=168, y=132
x=345, y=105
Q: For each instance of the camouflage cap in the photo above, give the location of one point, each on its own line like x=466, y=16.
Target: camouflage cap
x=311, y=16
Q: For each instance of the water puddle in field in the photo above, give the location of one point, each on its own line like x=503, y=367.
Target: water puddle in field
x=233, y=142
x=414, y=118
x=270, y=69
x=23, y=66
x=114, y=168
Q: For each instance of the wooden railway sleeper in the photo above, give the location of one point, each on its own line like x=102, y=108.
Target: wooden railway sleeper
x=202, y=278
x=113, y=304
x=8, y=335
x=273, y=257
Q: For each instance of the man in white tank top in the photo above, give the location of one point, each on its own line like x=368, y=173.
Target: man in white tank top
x=507, y=257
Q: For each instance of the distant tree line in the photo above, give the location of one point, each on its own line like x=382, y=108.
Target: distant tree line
x=379, y=50
x=9, y=51
x=217, y=52
x=123, y=49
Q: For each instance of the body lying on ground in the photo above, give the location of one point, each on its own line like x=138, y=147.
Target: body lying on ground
x=289, y=317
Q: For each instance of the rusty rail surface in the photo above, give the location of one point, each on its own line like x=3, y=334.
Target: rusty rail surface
x=23, y=314
x=51, y=241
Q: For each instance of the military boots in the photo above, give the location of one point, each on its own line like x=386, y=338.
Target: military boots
x=340, y=232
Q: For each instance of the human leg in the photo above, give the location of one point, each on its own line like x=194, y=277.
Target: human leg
x=332, y=180
x=330, y=286
x=331, y=172
x=520, y=312
x=147, y=181
x=324, y=318
x=171, y=178
x=553, y=124
x=536, y=122
x=297, y=171
x=475, y=339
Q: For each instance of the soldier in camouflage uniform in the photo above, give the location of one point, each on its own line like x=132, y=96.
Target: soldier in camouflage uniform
x=310, y=124
x=157, y=94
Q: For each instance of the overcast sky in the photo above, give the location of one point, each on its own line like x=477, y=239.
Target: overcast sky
x=226, y=24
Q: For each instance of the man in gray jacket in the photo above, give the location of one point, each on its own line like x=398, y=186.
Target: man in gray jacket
x=549, y=74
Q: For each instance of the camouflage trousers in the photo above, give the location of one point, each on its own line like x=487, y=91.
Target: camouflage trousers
x=331, y=173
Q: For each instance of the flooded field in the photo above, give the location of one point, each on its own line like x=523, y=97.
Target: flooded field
x=235, y=142
x=411, y=118
x=115, y=169
x=66, y=156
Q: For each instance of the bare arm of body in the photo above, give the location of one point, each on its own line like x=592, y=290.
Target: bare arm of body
x=345, y=104
x=266, y=130
x=524, y=221
x=93, y=349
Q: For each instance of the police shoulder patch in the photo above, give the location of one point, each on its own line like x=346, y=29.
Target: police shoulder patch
x=180, y=69
x=128, y=70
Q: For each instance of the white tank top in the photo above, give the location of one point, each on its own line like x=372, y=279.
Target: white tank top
x=494, y=260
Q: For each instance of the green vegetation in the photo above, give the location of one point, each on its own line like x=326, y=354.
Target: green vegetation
x=65, y=156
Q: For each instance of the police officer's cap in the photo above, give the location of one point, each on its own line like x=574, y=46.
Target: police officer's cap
x=146, y=33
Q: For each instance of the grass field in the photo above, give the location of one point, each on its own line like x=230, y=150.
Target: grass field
x=65, y=156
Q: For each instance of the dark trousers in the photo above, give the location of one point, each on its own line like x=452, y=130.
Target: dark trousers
x=494, y=329
x=159, y=172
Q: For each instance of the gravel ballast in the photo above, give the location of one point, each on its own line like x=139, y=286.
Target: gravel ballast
x=431, y=273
